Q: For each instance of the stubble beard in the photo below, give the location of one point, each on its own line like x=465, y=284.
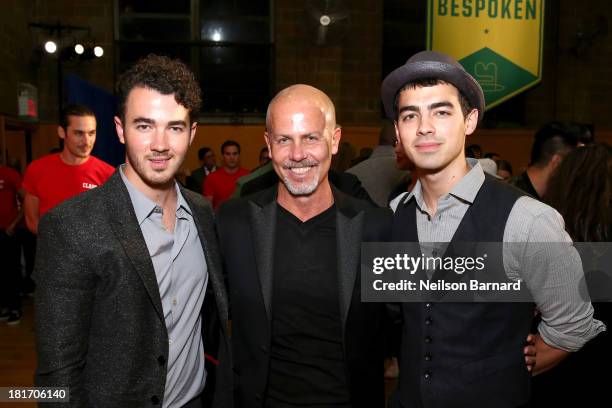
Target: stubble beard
x=152, y=177
x=305, y=188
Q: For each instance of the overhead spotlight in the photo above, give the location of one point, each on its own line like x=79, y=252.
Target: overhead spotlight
x=50, y=47
x=98, y=51
x=79, y=49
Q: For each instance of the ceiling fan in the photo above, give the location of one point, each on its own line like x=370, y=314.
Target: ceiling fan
x=330, y=18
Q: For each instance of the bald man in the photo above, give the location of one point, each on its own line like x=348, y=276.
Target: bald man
x=301, y=336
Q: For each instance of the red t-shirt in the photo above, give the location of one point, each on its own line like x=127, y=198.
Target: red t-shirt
x=220, y=185
x=10, y=183
x=53, y=181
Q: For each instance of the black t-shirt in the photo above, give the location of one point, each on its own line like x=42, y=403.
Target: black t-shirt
x=522, y=182
x=307, y=366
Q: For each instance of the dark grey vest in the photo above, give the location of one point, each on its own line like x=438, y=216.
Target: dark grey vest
x=465, y=354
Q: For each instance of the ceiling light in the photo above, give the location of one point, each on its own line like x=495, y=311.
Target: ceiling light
x=50, y=47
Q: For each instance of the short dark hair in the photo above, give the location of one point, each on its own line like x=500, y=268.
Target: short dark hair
x=466, y=107
x=74, y=109
x=584, y=133
x=471, y=150
x=164, y=75
x=504, y=165
x=202, y=152
x=552, y=138
x=230, y=143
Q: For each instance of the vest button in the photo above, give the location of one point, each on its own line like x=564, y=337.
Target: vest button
x=155, y=400
x=428, y=321
x=427, y=374
x=161, y=360
x=427, y=356
x=428, y=339
x=427, y=305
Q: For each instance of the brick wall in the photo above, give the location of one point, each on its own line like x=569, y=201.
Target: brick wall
x=577, y=76
x=14, y=52
x=575, y=85
x=348, y=69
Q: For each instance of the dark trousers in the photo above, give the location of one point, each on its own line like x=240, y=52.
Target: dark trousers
x=10, y=273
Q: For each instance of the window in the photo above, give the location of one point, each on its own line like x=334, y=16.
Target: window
x=227, y=43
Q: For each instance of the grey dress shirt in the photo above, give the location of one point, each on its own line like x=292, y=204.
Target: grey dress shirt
x=182, y=276
x=379, y=174
x=567, y=320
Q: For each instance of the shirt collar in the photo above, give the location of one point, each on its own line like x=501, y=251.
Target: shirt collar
x=143, y=205
x=466, y=189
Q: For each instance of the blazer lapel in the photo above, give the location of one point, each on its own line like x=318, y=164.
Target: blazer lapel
x=263, y=224
x=349, y=233
x=125, y=226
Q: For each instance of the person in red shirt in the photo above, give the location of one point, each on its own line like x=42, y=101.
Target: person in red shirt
x=57, y=177
x=10, y=274
x=220, y=184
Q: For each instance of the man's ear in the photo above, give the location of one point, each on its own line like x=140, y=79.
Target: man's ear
x=194, y=128
x=61, y=132
x=267, y=139
x=555, y=161
x=336, y=136
x=119, y=129
x=471, y=121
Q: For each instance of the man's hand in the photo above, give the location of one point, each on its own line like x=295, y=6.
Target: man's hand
x=530, y=352
x=549, y=356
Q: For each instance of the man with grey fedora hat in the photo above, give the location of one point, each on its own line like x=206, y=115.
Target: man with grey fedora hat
x=471, y=354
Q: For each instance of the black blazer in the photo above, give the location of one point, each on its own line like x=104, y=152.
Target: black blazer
x=100, y=328
x=246, y=229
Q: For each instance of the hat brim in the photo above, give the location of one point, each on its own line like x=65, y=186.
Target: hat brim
x=431, y=69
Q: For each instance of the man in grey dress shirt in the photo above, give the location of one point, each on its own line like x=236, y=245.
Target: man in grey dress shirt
x=467, y=354
x=379, y=174
x=130, y=293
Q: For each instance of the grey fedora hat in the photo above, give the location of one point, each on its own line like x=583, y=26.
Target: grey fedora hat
x=431, y=64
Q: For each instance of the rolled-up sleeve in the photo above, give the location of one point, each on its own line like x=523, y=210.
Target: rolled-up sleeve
x=541, y=254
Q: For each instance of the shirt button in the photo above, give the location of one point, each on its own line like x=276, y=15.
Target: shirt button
x=170, y=341
x=174, y=302
x=427, y=305
x=427, y=374
x=427, y=356
x=428, y=321
x=428, y=339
